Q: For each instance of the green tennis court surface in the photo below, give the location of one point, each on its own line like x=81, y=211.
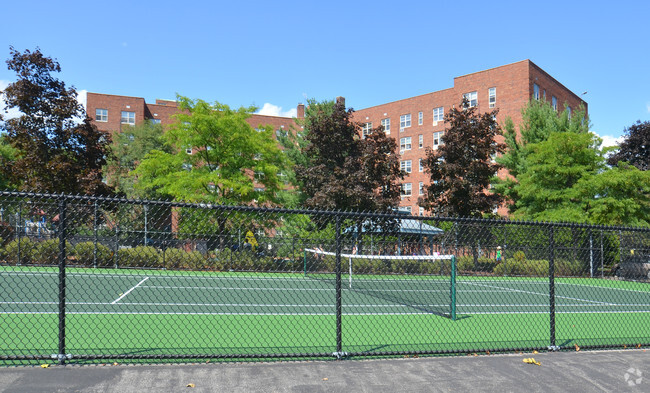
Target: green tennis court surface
x=122, y=312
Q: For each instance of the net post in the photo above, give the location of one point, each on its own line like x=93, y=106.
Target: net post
x=304, y=262
x=453, y=288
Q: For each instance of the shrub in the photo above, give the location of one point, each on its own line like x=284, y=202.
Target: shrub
x=465, y=263
x=84, y=254
x=26, y=247
x=47, y=252
x=175, y=258
x=436, y=267
x=566, y=268
x=141, y=256
x=515, y=267
x=6, y=233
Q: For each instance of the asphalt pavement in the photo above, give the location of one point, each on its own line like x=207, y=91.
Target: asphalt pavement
x=583, y=371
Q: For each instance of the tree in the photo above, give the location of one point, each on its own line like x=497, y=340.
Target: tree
x=539, y=121
x=54, y=151
x=342, y=169
x=215, y=156
x=293, y=143
x=548, y=188
x=7, y=157
x=635, y=148
x=462, y=167
x=558, y=173
x=129, y=148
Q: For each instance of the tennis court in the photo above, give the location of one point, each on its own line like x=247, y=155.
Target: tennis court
x=148, y=312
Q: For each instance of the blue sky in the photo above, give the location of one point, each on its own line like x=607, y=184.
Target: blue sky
x=275, y=54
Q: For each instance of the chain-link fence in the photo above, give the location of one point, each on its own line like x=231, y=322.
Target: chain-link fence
x=88, y=280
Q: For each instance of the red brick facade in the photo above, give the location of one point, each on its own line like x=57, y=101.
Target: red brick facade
x=514, y=87
x=162, y=111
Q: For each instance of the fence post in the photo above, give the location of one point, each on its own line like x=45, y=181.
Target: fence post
x=551, y=288
x=62, y=259
x=591, y=254
x=95, y=239
x=19, y=218
x=339, y=328
x=602, y=257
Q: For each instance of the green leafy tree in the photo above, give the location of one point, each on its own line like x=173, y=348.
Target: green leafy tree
x=129, y=148
x=54, y=150
x=216, y=157
x=548, y=188
x=341, y=169
x=635, y=148
x=558, y=173
x=462, y=167
x=293, y=143
x=7, y=157
x=617, y=196
x=539, y=121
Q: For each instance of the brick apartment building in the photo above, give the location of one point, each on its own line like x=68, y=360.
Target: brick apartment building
x=418, y=122
x=112, y=113
x=415, y=123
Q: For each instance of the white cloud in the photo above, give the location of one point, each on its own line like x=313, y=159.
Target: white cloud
x=82, y=96
x=609, y=140
x=274, y=110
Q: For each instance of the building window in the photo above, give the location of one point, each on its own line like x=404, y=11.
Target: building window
x=365, y=131
x=386, y=124
x=554, y=102
x=420, y=118
x=438, y=114
x=420, y=141
x=472, y=98
x=437, y=136
x=405, y=166
x=420, y=167
x=405, y=143
x=404, y=121
x=492, y=93
x=421, y=188
x=536, y=91
x=156, y=121
x=188, y=150
x=101, y=115
x=128, y=118
x=406, y=189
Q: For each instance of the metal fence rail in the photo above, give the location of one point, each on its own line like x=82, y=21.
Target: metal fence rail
x=88, y=280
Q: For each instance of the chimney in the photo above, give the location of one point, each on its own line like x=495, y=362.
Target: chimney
x=340, y=100
x=301, y=111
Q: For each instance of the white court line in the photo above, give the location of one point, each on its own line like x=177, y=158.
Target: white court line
x=129, y=291
x=506, y=289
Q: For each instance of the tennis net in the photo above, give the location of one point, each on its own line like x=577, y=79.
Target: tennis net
x=422, y=282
